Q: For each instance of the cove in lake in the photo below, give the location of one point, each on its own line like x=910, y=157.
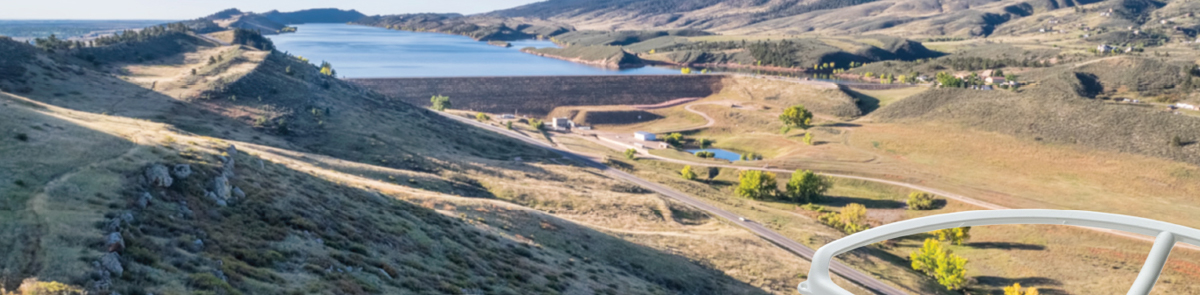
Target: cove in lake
x=720, y=154
x=369, y=52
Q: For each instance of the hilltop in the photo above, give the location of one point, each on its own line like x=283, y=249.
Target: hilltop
x=271, y=22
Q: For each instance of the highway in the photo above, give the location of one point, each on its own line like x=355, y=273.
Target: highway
x=838, y=268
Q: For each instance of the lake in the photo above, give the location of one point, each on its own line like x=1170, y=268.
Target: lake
x=720, y=154
x=369, y=52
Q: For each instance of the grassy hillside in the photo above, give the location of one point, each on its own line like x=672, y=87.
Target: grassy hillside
x=959, y=18
x=1063, y=108
x=303, y=184
x=477, y=27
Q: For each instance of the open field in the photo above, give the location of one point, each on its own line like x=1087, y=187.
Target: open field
x=321, y=165
x=999, y=255
x=996, y=168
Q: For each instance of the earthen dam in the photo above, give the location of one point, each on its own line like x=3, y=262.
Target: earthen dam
x=538, y=95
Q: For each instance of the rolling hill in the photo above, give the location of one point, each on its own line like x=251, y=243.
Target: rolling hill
x=904, y=18
x=237, y=169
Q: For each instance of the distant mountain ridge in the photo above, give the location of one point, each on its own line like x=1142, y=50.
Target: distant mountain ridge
x=271, y=22
x=904, y=18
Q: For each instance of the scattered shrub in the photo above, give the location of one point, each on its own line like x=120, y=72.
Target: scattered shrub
x=920, y=201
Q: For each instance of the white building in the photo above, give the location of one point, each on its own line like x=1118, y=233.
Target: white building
x=644, y=136
x=1187, y=106
x=561, y=124
x=994, y=80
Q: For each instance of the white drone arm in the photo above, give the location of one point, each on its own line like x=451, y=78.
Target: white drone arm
x=819, y=282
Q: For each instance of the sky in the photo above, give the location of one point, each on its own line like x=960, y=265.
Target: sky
x=190, y=9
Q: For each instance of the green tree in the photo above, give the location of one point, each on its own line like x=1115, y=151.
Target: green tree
x=705, y=143
x=481, y=117
x=949, y=81
x=1176, y=141
x=754, y=184
x=537, y=124
x=327, y=69
x=713, y=172
x=674, y=139
x=797, y=116
x=687, y=173
x=508, y=125
x=631, y=153
x=926, y=259
x=920, y=201
x=951, y=272
x=685, y=71
x=997, y=73
x=288, y=70
x=854, y=218
x=808, y=138
x=957, y=236
x=806, y=187
x=440, y=103
x=1015, y=289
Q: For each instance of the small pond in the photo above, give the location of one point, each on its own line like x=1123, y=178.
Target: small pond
x=720, y=154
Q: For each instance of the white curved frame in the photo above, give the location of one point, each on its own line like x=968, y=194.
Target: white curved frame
x=819, y=282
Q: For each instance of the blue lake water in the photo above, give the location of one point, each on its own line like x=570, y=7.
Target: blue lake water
x=370, y=52
x=720, y=154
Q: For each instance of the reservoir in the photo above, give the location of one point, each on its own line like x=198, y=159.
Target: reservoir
x=369, y=52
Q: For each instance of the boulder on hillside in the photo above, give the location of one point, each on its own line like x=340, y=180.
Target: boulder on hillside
x=112, y=225
x=221, y=187
x=182, y=171
x=158, y=175
x=112, y=263
x=144, y=200
x=237, y=192
x=114, y=242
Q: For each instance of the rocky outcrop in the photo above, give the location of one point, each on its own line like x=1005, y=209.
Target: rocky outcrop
x=228, y=159
x=237, y=192
x=111, y=262
x=158, y=175
x=184, y=211
x=114, y=242
x=197, y=245
x=182, y=171
x=144, y=200
x=221, y=190
x=112, y=225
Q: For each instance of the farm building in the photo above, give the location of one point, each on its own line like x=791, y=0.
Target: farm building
x=561, y=124
x=995, y=80
x=644, y=136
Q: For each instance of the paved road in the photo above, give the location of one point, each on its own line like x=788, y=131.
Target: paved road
x=838, y=268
